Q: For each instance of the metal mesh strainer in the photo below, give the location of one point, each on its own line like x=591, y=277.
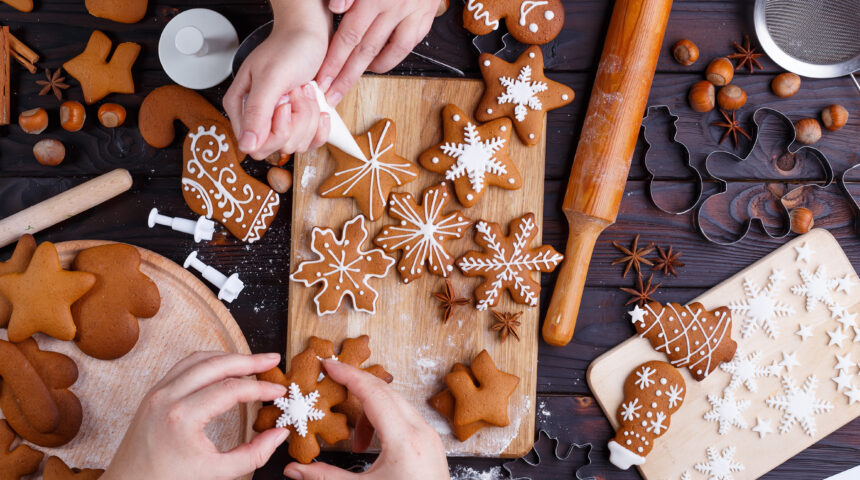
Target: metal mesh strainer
x=812, y=38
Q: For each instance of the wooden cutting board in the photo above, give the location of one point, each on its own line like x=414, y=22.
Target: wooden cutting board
x=191, y=318
x=407, y=336
x=689, y=436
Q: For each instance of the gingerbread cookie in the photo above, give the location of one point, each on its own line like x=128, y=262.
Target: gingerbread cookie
x=42, y=295
x=16, y=264
x=22, y=5
x=98, y=77
x=422, y=232
x=652, y=393
x=473, y=156
x=529, y=21
x=507, y=262
x=343, y=268
x=354, y=352
x=106, y=317
x=17, y=462
x=521, y=92
x=35, y=396
x=444, y=403
x=483, y=395
x=122, y=11
x=56, y=469
x=306, y=410
x=689, y=335
x=213, y=182
x=369, y=181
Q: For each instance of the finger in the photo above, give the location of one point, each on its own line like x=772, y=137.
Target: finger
x=305, y=120
x=348, y=36
x=340, y=6
x=250, y=456
x=363, y=434
x=218, y=368
x=401, y=43
x=370, y=46
x=317, y=471
x=257, y=116
x=323, y=131
x=279, y=134
x=181, y=366
x=233, y=100
x=217, y=398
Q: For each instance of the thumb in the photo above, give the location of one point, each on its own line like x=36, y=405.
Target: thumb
x=317, y=471
x=257, y=116
x=340, y=6
x=250, y=456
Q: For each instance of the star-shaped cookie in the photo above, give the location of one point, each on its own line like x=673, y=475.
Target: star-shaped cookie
x=370, y=181
x=444, y=403
x=97, y=76
x=56, y=469
x=486, y=399
x=42, y=295
x=521, y=92
x=19, y=461
x=16, y=264
x=473, y=156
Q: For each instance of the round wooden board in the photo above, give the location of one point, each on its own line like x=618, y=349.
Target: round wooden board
x=191, y=318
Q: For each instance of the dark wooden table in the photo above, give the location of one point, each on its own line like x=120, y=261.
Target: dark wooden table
x=59, y=29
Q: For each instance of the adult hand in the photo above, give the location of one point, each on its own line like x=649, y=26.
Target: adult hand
x=410, y=446
x=373, y=35
x=166, y=440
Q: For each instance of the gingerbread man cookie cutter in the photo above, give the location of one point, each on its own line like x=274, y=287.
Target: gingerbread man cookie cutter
x=534, y=458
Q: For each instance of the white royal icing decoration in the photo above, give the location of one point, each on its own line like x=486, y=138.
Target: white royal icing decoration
x=298, y=409
x=477, y=9
x=804, y=253
x=674, y=395
x=630, y=410
x=525, y=8
x=727, y=411
x=522, y=92
x=798, y=405
x=761, y=308
x=744, y=369
x=815, y=287
x=762, y=427
x=720, y=466
x=475, y=158
x=643, y=377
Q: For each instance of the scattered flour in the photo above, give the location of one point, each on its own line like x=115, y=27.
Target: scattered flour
x=467, y=473
x=309, y=174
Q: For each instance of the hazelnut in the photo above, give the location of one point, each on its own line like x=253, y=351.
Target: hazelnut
x=731, y=97
x=33, y=121
x=111, y=115
x=49, y=152
x=278, y=159
x=72, y=115
x=685, y=52
x=785, y=84
x=808, y=131
x=720, y=71
x=702, y=96
x=279, y=179
x=834, y=117
x=802, y=220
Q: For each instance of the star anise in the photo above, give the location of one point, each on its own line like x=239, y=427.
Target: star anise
x=506, y=323
x=634, y=256
x=448, y=300
x=643, y=291
x=746, y=54
x=667, y=261
x=732, y=126
x=55, y=83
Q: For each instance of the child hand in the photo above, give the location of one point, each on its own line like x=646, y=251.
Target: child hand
x=166, y=440
x=374, y=35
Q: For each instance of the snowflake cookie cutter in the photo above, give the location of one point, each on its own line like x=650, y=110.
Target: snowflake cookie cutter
x=652, y=112
x=775, y=203
x=548, y=445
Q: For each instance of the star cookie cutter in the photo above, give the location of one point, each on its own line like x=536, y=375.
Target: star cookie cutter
x=543, y=443
x=746, y=206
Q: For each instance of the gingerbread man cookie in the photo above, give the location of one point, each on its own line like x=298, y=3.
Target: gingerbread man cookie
x=482, y=395
x=507, y=262
x=16, y=264
x=56, y=469
x=19, y=461
x=213, y=182
x=422, y=232
x=106, y=317
x=98, y=77
x=35, y=396
x=444, y=403
x=370, y=180
x=521, y=92
x=42, y=295
x=473, y=156
x=306, y=410
x=652, y=393
x=529, y=21
x=122, y=11
x=343, y=268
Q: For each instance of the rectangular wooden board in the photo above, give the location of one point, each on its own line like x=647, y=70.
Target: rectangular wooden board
x=686, y=441
x=407, y=336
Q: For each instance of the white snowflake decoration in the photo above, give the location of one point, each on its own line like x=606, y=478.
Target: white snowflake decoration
x=657, y=425
x=644, y=379
x=853, y=395
x=674, y=394
x=804, y=253
x=522, y=92
x=298, y=409
x=837, y=336
x=798, y=405
x=843, y=362
x=744, y=370
x=804, y=331
x=843, y=380
x=727, y=411
x=761, y=308
x=845, y=284
x=762, y=427
x=720, y=466
x=475, y=158
x=630, y=410
x=816, y=288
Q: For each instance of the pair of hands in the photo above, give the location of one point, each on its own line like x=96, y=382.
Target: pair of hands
x=166, y=439
x=269, y=104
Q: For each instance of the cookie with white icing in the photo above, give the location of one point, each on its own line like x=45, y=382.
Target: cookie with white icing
x=530, y=21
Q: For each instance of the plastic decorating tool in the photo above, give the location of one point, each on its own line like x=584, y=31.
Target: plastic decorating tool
x=230, y=287
x=202, y=229
x=196, y=48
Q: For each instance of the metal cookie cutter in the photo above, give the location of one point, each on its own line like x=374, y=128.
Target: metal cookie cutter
x=791, y=155
x=843, y=184
x=699, y=184
x=543, y=443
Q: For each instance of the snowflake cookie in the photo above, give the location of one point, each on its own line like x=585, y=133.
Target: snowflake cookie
x=727, y=411
x=370, y=180
x=343, y=268
x=520, y=91
x=652, y=393
x=507, y=262
x=473, y=156
x=422, y=232
x=761, y=309
x=720, y=466
x=816, y=288
x=744, y=369
x=798, y=405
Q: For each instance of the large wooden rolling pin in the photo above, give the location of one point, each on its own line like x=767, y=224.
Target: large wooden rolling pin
x=609, y=135
x=65, y=205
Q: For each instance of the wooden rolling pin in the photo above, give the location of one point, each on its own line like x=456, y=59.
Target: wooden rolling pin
x=65, y=205
x=609, y=135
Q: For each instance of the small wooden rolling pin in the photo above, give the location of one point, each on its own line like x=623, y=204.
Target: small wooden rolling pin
x=65, y=205
x=609, y=135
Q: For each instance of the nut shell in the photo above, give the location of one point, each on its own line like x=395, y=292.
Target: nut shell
x=49, y=152
x=731, y=97
x=834, y=117
x=111, y=115
x=808, y=131
x=785, y=84
x=685, y=52
x=279, y=179
x=33, y=121
x=72, y=115
x=720, y=71
x=701, y=96
x=802, y=220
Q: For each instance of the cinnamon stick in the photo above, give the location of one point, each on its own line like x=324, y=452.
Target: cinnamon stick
x=22, y=49
x=4, y=76
x=23, y=61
